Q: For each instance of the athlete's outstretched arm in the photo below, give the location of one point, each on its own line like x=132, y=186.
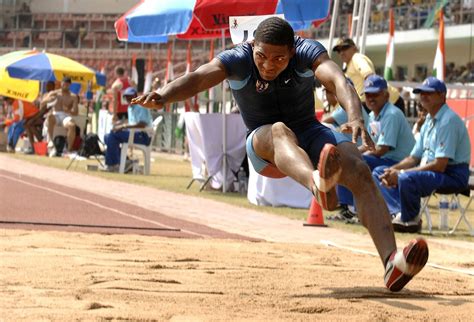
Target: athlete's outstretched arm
x=206, y=76
x=331, y=76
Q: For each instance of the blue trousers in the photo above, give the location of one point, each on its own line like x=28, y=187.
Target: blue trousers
x=14, y=132
x=414, y=185
x=113, y=141
x=344, y=195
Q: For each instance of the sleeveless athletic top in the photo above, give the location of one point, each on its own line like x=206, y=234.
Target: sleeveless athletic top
x=288, y=99
x=122, y=103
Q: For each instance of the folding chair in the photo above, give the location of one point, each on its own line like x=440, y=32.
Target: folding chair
x=146, y=149
x=454, y=197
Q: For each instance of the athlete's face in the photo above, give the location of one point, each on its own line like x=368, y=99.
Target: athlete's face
x=271, y=60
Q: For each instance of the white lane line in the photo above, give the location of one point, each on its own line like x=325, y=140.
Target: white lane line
x=329, y=243
x=122, y=213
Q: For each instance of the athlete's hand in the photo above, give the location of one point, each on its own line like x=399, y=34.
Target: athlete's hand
x=150, y=100
x=357, y=129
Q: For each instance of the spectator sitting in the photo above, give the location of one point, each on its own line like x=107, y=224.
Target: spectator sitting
x=389, y=130
x=63, y=110
x=138, y=117
x=439, y=160
x=22, y=111
x=34, y=123
x=339, y=116
x=359, y=67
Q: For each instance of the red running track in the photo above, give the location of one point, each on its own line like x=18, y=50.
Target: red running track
x=30, y=203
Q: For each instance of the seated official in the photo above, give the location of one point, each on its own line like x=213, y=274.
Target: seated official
x=339, y=116
x=388, y=128
x=138, y=118
x=439, y=160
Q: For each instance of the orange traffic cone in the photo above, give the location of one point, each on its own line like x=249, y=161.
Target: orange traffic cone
x=315, y=216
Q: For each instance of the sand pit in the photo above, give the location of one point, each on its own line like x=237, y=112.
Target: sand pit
x=66, y=276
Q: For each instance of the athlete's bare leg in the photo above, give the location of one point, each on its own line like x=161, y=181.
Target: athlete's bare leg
x=278, y=144
x=371, y=208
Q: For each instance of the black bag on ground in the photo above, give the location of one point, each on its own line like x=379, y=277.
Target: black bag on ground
x=59, y=144
x=90, y=146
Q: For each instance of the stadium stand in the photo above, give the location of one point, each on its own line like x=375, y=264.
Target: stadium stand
x=89, y=37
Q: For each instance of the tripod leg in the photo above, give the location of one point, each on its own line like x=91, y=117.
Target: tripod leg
x=98, y=160
x=72, y=160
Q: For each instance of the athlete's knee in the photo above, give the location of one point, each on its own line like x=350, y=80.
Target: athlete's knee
x=280, y=130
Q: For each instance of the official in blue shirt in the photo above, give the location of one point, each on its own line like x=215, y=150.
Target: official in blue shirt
x=388, y=128
x=138, y=117
x=439, y=160
x=339, y=116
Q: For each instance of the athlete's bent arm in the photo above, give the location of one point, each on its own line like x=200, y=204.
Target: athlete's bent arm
x=331, y=76
x=206, y=76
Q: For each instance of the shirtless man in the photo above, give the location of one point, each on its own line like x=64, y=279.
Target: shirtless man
x=65, y=107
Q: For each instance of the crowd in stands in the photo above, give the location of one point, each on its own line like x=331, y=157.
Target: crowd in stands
x=67, y=31
x=460, y=74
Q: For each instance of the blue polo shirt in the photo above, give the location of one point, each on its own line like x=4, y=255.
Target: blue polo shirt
x=444, y=136
x=391, y=128
x=288, y=99
x=340, y=116
x=137, y=114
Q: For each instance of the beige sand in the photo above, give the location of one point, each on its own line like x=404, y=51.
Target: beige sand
x=69, y=276
x=290, y=277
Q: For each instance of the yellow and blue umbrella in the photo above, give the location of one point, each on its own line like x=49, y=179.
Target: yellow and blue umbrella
x=26, y=90
x=21, y=72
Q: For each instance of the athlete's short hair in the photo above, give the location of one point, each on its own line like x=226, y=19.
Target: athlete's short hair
x=275, y=31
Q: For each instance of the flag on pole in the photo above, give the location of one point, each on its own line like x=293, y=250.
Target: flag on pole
x=188, y=58
x=434, y=13
x=169, y=65
x=103, y=65
x=440, y=58
x=211, y=57
x=190, y=102
x=149, y=74
x=388, y=72
x=134, y=69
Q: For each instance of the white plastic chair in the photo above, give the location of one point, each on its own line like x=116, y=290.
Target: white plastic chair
x=146, y=149
x=454, y=198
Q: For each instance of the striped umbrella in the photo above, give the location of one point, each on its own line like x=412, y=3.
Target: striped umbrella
x=22, y=71
x=194, y=19
x=26, y=90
